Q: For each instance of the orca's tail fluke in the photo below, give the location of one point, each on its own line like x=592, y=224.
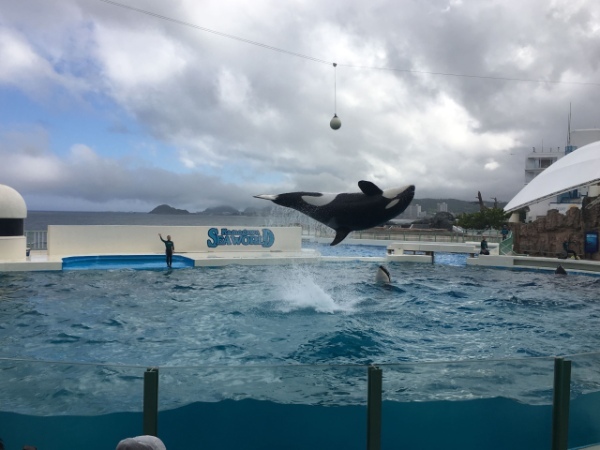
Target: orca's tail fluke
x=340, y=235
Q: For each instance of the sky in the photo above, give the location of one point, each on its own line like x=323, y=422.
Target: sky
x=126, y=105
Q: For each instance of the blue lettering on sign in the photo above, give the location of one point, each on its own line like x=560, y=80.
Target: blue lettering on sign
x=240, y=237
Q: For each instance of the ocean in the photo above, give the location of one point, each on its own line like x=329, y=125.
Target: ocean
x=39, y=220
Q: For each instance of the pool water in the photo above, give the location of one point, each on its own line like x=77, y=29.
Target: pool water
x=344, y=249
x=263, y=349
x=139, y=262
x=312, y=313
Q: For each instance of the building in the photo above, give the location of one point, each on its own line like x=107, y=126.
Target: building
x=13, y=211
x=539, y=160
x=568, y=176
x=413, y=211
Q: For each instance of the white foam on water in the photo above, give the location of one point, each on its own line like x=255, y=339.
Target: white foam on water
x=302, y=287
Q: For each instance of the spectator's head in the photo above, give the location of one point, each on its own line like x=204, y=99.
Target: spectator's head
x=141, y=443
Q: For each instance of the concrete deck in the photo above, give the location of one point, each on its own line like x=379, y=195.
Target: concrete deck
x=40, y=261
x=530, y=262
x=424, y=252
x=252, y=258
x=420, y=252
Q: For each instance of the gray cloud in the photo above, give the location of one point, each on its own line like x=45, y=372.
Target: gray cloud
x=239, y=119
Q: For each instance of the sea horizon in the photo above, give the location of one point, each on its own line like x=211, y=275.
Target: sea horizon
x=40, y=220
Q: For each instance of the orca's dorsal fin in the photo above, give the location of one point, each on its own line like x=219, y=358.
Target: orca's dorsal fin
x=369, y=188
x=340, y=235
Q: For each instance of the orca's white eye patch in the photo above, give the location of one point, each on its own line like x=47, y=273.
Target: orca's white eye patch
x=392, y=193
x=321, y=200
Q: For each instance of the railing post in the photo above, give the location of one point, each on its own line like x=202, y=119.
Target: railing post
x=560, y=404
x=151, y=401
x=374, y=381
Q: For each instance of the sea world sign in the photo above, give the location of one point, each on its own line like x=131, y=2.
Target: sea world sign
x=265, y=239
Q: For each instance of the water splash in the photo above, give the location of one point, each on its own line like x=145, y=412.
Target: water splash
x=304, y=287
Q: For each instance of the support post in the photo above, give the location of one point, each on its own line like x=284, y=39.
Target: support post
x=374, y=395
x=560, y=404
x=151, y=402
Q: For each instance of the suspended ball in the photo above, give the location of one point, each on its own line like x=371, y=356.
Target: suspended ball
x=335, y=123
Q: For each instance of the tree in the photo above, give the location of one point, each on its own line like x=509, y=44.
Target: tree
x=487, y=218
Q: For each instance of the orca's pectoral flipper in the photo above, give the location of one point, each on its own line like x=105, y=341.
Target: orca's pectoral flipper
x=369, y=188
x=340, y=235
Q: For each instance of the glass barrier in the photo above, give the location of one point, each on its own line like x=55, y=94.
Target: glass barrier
x=57, y=388
x=492, y=404
x=279, y=407
x=584, y=408
x=303, y=385
x=53, y=405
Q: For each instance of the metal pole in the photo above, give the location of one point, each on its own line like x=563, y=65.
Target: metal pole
x=560, y=404
x=374, y=381
x=151, y=401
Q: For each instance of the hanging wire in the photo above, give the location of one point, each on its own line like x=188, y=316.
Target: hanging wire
x=462, y=75
x=335, y=89
x=322, y=61
x=208, y=30
x=335, y=123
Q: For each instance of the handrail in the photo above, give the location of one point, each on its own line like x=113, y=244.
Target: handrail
x=506, y=246
x=37, y=239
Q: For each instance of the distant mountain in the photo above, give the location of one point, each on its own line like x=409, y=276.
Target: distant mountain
x=254, y=211
x=430, y=205
x=221, y=211
x=166, y=209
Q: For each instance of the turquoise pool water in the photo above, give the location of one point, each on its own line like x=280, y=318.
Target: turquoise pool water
x=299, y=314
x=115, y=262
x=291, y=341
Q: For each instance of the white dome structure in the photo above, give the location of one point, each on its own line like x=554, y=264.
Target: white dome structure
x=13, y=212
x=575, y=170
x=12, y=205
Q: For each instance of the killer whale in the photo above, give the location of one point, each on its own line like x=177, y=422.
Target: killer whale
x=383, y=275
x=348, y=212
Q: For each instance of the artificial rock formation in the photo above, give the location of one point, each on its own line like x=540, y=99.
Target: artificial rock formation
x=546, y=235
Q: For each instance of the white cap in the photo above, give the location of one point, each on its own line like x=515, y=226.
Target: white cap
x=141, y=443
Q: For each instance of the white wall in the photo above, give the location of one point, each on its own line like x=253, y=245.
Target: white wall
x=13, y=248
x=538, y=210
x=66, y=240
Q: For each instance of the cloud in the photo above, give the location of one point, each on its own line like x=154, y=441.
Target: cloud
x=21, y=65
x=227, y=119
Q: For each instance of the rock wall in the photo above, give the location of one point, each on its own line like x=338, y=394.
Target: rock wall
x=546, y=235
